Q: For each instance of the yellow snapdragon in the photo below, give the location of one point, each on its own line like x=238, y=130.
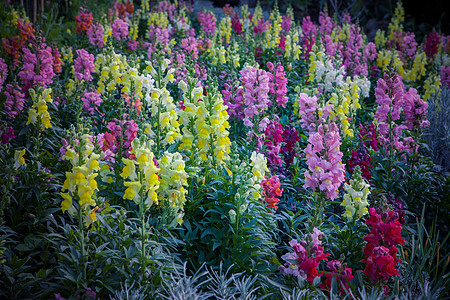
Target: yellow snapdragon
x=38, y=112
x=355, y=197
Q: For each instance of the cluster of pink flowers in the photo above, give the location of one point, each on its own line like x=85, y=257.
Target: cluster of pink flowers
x=3, y=72
x=341, y=274
x=261, y=27
x=37, y=67
x=389, y=95
x=305, y=259
x=278, y=84
x=207, y=22
x=253, y=97
x=95, y=35
x=91, y=101
x=271, y=190
x=392, y=99
x=83, y=21
x=381, y=249
x=324, y=159
x=406, y=44
x=445, y=76
x=15, y=100
x=309, y=112
x=84, y=65
x=309, y=35
x=415, y=110
x=119, y=29
x=6, y=134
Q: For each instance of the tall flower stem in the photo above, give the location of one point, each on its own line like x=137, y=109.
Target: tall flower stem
x=143, y=230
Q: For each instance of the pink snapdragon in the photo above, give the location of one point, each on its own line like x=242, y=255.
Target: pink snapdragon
x=84, y=65
x=37, y=67
x=3, y=72
x=286, y=24
x=309, y=35
x=278, y=86
x=326, y=24
x=445, y=76
x=415, y=110
x=304, y=261
x=261, y=26
x=6, y=134
x=14, y=100
x=324, y=160
x=95, y=35
x=207, y=22
x=119, y=29
x=254, y=93
x=309, y=112
x=91, y=102
x=390, y=94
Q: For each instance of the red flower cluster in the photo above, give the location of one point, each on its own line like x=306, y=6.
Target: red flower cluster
x=13, y=45
x=271, y=190
x=381, y=249
x=83, y=21
x=280, y=140
x=342, y=275
x=124, y=10
x=431, y=46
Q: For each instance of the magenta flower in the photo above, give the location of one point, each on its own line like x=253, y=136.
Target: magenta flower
x=3, y=72
x=207, y=22
x=324, y=160
x=119, y=29
x=91, y=102
x=95, y=35
x=14, y=100
x=84, y=65
x=37, y=67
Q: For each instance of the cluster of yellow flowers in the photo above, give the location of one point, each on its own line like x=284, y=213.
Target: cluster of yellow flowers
x=212, y=126
x=345, y=102
x=292, y=48
x=192, y=94
x=80, y=183
x=224, y=30
x=397, y=20
x=114, y=70
x=388, y=58
x=259, y=171
x=158, y=19
x=39, y=109
x=431, y=86
x=142, y=174
x=272, y=35
x=172, y=183
x=162, y=108
x=418, y=68
x=217, y=52
x=355, y=197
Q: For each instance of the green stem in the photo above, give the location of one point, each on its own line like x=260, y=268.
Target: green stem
x=142, y=219
x=83, y=253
